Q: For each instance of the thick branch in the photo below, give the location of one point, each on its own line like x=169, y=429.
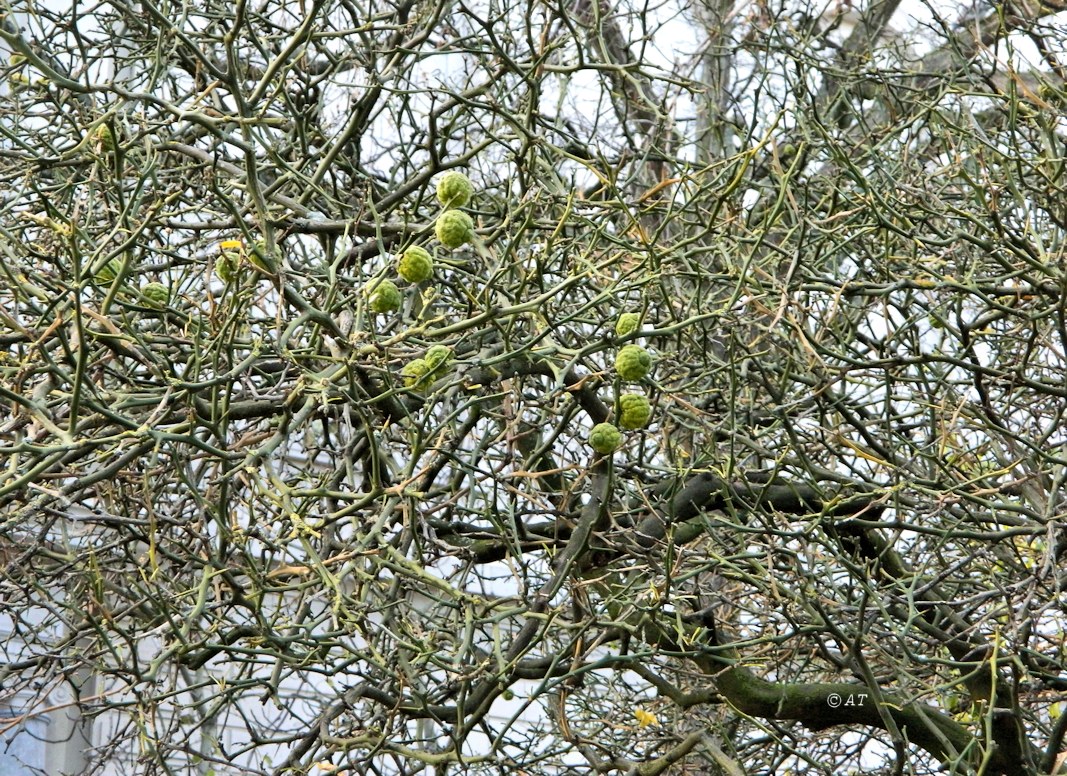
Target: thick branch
x=822, y=705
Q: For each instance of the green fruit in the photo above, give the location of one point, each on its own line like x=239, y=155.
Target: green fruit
x=633, y=363
x=438, y=355
x=227, y=266
x=634, y=410
x=263, y=260
x=108, y=272
x=454, y=189
x=384, y=296
x=454, y=228
x=605, y=438
x=103, y=139
x=627, y=323
x=156, y=294
x=415, y=265
x=415, y=372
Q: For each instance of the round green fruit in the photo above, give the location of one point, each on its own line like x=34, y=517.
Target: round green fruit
x=384, y=296
x=415, y=371
x=633, y=363
x=103, y=140
x=156, y=294
x=454, y=189
x=627, y=324
x=605, y=438
x=262, y=259
x=108, y=272
x=634, y=410
x=228, y=264
x=415, y=265
x=438, y=355
x=454, y=228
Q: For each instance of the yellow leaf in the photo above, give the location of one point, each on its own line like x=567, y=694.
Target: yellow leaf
x=329, y=768
x=644, y=718
x=862, y=453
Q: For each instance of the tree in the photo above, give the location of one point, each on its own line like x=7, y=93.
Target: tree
x=254, y=517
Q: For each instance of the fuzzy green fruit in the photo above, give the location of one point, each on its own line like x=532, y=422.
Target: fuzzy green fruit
x=634, y=410
x=415, y=265
x=454, y=228
x=454, y=189
x=605, y=438
x=156, y=294
x=103, y=140
x=627, y=323
x=227, y=265
x=415, y=372
x=633, y=363
x=384, y=296
x=262, y=259
x=438, y=355
x=108, y=272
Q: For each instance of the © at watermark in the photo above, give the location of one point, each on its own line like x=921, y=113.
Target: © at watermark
x=833, y=700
